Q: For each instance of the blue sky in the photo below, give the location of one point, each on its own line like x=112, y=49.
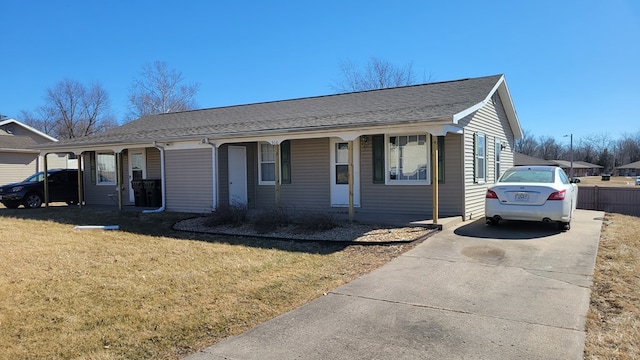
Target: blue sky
x=572, y=66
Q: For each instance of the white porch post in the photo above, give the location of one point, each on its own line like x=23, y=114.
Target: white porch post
x=80, y=185
x=351, y=179
x=46, y=181
x=214, y=190
x=434, y=178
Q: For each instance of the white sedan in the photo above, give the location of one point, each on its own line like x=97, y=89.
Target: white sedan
x=532, y=193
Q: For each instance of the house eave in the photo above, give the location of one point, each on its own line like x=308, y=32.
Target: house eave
x=507, y=102
x=23, y=151
x=436, y=126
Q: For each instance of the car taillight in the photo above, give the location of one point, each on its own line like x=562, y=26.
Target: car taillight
x=558, y=195
x=491, y=194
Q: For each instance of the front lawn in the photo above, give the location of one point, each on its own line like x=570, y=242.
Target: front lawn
x=146, y=291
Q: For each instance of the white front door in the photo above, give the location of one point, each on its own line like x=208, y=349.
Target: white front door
x=237, y=175
x=137, y=168
x=340, y=174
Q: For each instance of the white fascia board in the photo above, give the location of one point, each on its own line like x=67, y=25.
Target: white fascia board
x=24, y=151
x=510, y=109
x=505, y=96
x=8, y=121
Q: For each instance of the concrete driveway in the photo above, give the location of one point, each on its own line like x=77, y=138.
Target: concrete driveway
x=516, y=291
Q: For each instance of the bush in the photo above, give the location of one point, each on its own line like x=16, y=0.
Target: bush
x=234, y=215
x=313, y=222
x=271, y=219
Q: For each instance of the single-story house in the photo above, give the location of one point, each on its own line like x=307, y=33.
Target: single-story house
x=18, y=159
x=427, y=149
x=580, y=168
x=520, y=159
x=631, y=169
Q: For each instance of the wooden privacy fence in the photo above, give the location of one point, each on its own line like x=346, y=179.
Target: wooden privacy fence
x=622, y=200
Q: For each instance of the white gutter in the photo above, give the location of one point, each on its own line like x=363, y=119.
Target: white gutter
x=162, y=182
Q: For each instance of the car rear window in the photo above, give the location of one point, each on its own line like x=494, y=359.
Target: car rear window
x=521, y=176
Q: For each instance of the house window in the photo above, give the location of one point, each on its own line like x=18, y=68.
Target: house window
x=498, y=150
x=480, y=164
x=105, y=168
x=267, y=163
x=408, y=159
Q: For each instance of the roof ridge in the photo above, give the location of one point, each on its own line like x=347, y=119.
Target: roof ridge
x=328, y=95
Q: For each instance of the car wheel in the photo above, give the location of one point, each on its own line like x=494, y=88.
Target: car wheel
x=492, y=222
x=32, y=201
x=11, y=204
x=564, y=226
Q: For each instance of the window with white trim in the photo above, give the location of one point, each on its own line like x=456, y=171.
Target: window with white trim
x=105, y=168
x=408, y=159
x=480, y=163
x=267, y=164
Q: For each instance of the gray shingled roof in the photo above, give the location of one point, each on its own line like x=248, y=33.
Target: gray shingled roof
x=523, y=160
x=367, y=108
x=16, y=142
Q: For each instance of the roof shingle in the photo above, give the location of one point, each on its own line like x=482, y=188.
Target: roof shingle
x=374, y=107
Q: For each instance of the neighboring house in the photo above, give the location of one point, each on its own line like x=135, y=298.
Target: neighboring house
x=632, y=169
x=580, y=168
x=18, y=159
x=299, y=153
x=524, y=160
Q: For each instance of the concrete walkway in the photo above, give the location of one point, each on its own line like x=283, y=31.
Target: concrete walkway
x=516, y=291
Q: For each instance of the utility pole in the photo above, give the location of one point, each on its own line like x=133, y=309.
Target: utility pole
x=571, y=151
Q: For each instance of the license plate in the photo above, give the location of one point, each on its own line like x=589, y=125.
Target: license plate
x=522, y=196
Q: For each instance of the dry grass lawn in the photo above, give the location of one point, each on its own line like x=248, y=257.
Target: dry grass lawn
x=615, y=181
x=147, y=292
x=613, y=322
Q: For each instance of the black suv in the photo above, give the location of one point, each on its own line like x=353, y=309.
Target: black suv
x=63, y=187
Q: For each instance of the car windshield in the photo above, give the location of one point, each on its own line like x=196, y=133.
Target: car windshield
x=527, y=176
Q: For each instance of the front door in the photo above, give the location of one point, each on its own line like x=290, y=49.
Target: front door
x=340, y=173
x=137, y=168
x=237, y=175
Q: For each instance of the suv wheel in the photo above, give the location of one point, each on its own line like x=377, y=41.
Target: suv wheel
x=32, y=201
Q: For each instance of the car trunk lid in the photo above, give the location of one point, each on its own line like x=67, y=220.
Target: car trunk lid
x=523, y=194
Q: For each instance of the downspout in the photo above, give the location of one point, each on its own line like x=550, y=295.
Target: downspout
x=162, y=182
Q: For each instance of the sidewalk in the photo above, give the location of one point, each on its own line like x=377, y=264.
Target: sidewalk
x=518, y=290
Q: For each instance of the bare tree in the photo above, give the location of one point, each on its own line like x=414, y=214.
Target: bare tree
x=160, y=90
x=376, y=74
x=72, y=110
x=548, y=148
x=527, y=144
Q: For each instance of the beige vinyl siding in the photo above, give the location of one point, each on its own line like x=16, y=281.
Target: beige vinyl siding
x=153, y=163
x=310, y=182
x=490, y=120
x=189, y=184
x=57, y=161
x=414, y=199
x=15, y=167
